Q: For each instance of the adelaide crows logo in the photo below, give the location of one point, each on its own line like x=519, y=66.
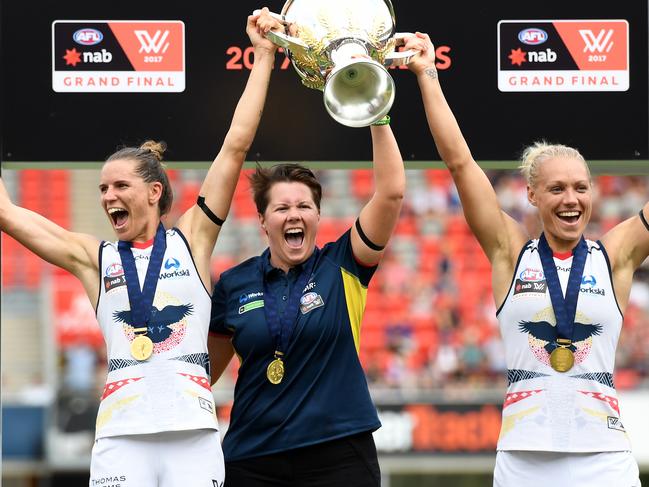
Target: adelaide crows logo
x=166, y=327
x=542, y=337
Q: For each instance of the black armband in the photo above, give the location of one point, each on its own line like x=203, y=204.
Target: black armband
x=644, y=220
x=366, y=240
x=201, y=204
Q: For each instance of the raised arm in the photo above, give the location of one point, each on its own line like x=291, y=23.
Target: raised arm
x=220, y=182
x=627, y=245
x=499, y=235
x=74, y=252
x=379, y=216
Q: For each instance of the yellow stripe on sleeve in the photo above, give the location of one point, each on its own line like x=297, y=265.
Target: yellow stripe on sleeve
x=355, y=297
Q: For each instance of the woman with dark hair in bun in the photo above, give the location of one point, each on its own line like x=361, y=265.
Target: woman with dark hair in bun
x=156, y=425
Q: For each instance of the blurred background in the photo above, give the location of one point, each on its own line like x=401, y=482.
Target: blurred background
x=430, y=343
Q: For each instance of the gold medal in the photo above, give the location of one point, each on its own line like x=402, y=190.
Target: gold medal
x=275, y=371
x=141, y=347
x=562, y=359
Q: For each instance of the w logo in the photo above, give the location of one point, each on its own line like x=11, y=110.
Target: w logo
x=600, y=42
x=156, y=44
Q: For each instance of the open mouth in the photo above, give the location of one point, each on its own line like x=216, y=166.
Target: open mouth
x=294, y=237
x=569, y=216
x=119, y=216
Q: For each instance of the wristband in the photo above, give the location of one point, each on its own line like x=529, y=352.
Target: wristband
x=384, y=121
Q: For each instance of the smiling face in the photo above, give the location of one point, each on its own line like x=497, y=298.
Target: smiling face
x=129, y=202
x=291, y=223
x=563, y=195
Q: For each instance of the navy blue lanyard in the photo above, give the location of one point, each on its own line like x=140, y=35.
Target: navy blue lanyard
x=141, y=301
x=281, y=328
x=564, y=308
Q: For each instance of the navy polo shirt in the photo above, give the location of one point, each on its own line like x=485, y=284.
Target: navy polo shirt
x=324, y=393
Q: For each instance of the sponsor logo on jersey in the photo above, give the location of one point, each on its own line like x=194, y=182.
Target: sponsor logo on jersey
x=244, y=298
x=615, y=424
x=310, y=301
x=173, y=266
x=114, y=277
x=530, y=287
x=205, y=404
x=112, y=481
x=250, y=306
x=531, y=275
x=588, y=284
x=114, y=270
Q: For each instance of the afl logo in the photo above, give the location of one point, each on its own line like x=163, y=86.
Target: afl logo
x=308, y=298
x=87, y=37
x=532, y=36
x=114, y=270
x=531, y=275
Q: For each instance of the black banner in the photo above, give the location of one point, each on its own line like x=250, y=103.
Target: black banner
x=39, y=124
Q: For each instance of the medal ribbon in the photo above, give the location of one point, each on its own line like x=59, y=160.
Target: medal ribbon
x=564, y=308
x=142, y=300
x=281, y=328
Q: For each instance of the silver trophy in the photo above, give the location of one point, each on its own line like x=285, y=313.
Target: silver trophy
x=343, y=47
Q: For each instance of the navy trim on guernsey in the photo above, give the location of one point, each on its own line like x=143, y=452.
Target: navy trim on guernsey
x=323, y=395
x=518, y=261
x=644, y=220
x=602, y=249
x=365, y=238
x=201, y=204
x=101, y=283
x=189, y=250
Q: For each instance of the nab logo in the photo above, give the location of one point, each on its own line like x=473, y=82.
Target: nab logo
x=597, y=43
x=157, y=44
x=172, y=263
x=87, y=37
x=547, y=56
x=532, y=36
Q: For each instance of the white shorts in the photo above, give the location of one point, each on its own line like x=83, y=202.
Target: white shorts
x=556, y=469
x=170, y=459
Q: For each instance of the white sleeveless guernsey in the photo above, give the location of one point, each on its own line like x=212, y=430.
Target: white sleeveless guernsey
x=546, y=410
x=171, y=390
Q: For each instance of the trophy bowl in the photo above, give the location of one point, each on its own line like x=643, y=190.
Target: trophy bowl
x=342, y=47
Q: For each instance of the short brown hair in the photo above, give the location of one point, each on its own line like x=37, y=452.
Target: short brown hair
x=264, y=178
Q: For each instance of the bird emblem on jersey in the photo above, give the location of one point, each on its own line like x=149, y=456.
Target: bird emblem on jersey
x=542, y=330
x=158, y=327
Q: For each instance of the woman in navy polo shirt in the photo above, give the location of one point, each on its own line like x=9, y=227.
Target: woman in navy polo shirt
x=302, y=413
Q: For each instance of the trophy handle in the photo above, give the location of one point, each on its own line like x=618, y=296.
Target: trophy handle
x=400, y=58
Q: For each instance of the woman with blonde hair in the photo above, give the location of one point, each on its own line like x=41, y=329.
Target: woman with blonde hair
x=560, y=300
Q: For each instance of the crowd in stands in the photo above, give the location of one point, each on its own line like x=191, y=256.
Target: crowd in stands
x=430, y=321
